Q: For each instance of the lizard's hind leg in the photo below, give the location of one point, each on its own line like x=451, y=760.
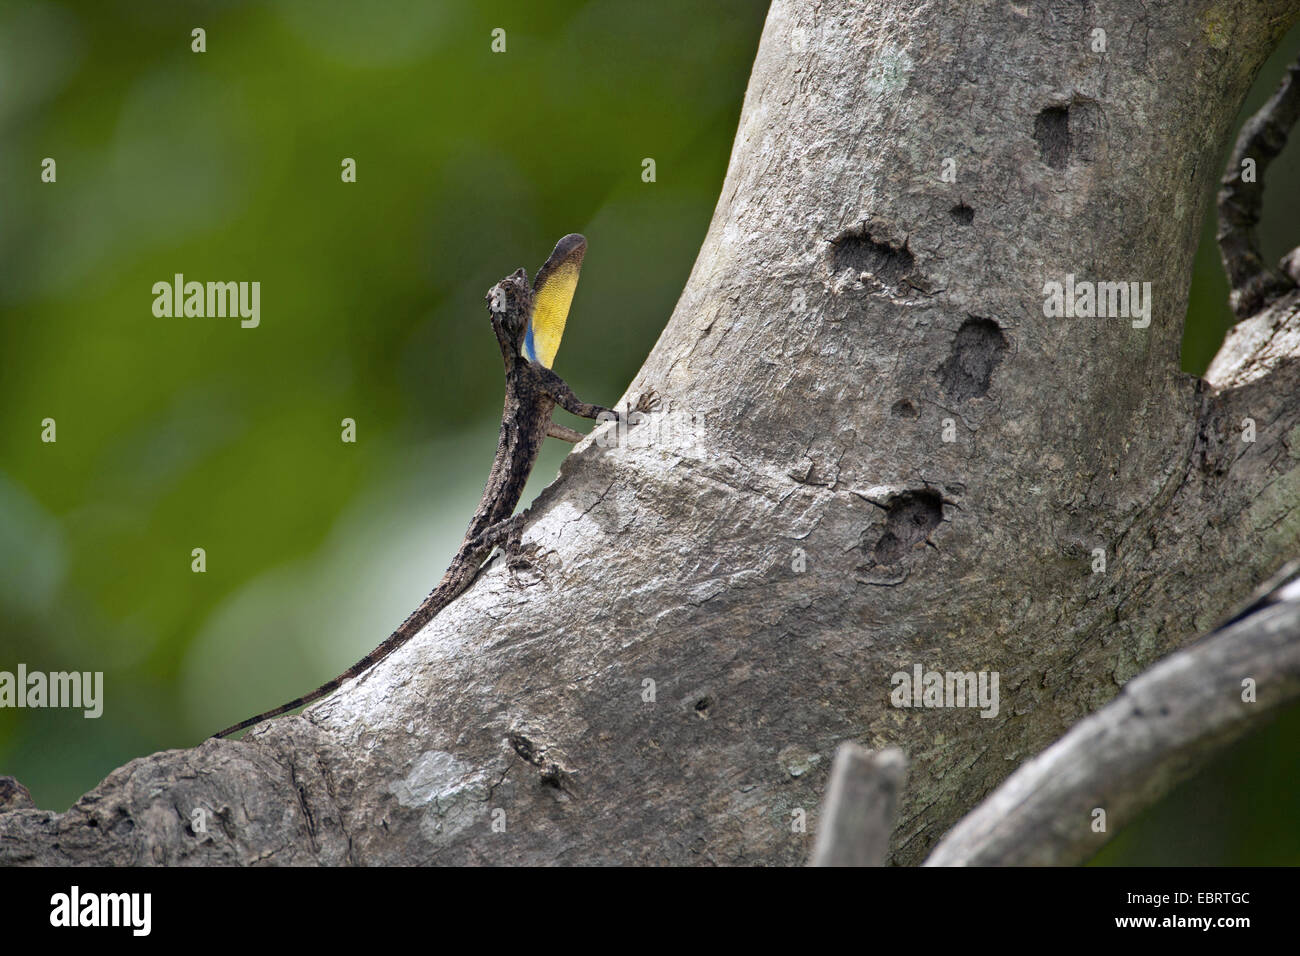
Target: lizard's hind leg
x=514, y=547
x=516, y=560
x=564, y=433
x=508, y=534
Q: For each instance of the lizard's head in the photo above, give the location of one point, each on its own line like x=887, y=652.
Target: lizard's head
x=510, y=302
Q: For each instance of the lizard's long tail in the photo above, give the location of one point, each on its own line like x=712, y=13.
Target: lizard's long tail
x=456, y=580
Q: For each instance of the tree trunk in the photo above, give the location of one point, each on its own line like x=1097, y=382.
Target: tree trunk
x=770, y=568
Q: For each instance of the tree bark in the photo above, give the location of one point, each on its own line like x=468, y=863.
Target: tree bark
x=770, y=568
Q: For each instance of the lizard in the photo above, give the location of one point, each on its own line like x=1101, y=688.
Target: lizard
x=528, y=323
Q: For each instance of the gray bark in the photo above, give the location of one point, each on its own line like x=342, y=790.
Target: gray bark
x=845, y=303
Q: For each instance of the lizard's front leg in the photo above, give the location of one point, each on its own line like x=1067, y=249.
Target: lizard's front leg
x=558, y=390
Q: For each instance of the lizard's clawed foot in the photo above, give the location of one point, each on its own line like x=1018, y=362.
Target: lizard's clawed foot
x=647, y=402
x=523, y=567
x=519, y=558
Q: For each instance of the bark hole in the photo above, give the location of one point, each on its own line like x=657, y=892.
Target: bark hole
x=976, y=351
x=858, y=250
x=1052, y=133
x=909, y=519
x=963, y=213
x=525, y=748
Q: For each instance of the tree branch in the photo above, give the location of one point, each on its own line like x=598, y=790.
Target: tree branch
x=858, y=814
x=1241, y=201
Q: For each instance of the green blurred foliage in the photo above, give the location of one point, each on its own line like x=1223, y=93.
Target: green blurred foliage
x=181, y=433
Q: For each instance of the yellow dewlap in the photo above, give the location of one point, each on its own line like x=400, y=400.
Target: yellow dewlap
x=551, y=303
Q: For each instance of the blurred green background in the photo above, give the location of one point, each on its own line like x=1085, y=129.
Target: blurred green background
x=181, y=433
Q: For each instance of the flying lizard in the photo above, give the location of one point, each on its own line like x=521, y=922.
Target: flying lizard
x=528, y=323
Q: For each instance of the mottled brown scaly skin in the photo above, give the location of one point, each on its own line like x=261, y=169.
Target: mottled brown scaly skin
x=532, y=392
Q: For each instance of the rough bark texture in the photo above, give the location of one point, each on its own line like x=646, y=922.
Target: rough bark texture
x=846, y=302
